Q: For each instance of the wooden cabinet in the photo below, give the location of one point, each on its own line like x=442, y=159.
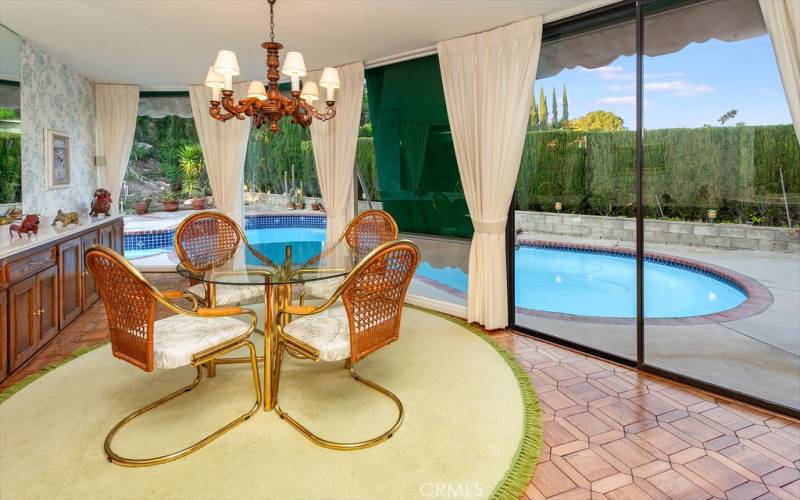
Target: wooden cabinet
x=90, y=294
x=23, y=325
x=3, y=334
x=112, y=236
x=70, y=275
x=45, y=287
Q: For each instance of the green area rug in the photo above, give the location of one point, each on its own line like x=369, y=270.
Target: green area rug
x=472, y=427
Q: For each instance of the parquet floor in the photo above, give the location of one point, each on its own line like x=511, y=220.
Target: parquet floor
x=610, y=432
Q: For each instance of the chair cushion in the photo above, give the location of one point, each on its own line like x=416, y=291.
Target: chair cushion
x=323, y=288
x=177, y=338
x=232, y=294
x=328, y=332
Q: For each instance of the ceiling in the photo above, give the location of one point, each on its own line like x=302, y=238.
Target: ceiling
x=163, y=44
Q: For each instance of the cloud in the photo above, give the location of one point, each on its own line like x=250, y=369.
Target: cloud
x=628, y=100
x=679, y=87
x=615, y=87
x=610, y=73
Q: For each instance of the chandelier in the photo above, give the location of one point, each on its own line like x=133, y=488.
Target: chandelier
x=267, y=104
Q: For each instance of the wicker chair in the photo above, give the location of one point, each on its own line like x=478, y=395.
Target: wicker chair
x=188, y=338
x=369, y=318
x=363, y=233
x=208, y=239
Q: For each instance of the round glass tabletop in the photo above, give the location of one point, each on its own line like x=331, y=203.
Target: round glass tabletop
x=278, y=263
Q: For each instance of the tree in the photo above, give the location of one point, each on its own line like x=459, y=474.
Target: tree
x=542, y=108
x=534, y=119
x=564, y=106
x=730, y=115
x=555, y=108
x=597, y=120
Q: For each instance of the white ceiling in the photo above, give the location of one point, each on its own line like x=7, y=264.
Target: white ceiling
x=162, y=44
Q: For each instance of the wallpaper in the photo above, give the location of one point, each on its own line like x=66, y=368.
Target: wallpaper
x=55, y=96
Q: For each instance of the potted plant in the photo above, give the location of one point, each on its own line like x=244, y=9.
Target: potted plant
x=198, y=198
x=298, y=199
x=170, y=200
x=141, y=205
x=193, y=178
x=315, y=205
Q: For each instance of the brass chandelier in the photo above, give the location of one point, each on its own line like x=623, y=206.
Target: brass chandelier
x=268, y=105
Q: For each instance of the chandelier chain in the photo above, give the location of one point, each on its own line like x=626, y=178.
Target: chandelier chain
x=271, y=21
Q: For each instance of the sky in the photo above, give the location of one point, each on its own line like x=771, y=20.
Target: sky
x=688, y=88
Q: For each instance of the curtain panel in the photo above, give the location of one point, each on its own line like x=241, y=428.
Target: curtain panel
x=117, y=106
x=782, y=18
x=488, y=84
x=224, y=147
x=334, y=143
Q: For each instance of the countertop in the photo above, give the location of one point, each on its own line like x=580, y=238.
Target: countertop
x=47, y=234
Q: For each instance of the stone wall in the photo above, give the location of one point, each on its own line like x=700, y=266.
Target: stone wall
x=733, y=236
x=257, y=201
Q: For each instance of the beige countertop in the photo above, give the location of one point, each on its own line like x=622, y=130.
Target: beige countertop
x=47, y=234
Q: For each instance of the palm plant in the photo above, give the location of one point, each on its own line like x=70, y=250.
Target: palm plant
x=190, y=159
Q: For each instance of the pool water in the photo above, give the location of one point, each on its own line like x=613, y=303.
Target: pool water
x=596, y=284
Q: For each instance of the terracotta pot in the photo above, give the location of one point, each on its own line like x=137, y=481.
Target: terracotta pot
x=199, y=203
x=141, y=208
x=171, y=205
x=315, y=206
x=291, y=205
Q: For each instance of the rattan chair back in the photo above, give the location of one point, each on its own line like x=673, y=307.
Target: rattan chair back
x=373, y=296
x=130, y=306
x=207, y=239
x=368, y=230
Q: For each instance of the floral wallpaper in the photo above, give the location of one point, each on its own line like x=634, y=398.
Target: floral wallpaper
x=55, y=96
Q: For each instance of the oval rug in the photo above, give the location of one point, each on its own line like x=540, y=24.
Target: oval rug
x=471, y=427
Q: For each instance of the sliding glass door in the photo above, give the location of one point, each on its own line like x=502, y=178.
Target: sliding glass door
x=708, y=290
x=721, y=190
x=575, y=267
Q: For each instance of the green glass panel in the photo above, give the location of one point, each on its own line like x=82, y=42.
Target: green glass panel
x=416, y=164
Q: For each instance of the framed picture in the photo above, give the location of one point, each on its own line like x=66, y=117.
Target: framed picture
x=57, y=158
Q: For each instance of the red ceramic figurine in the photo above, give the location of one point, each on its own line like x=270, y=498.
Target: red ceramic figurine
x=29, y=224
x=101, y=203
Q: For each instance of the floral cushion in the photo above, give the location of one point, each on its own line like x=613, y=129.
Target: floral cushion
x=328, y=332
x=232, y=294
x=177, y=338
x=323, y=288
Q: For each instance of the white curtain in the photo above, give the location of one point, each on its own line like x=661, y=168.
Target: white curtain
x=488, y=83
x=334, y=143
x=782, y=18
x=117, y=106
x=224, y=148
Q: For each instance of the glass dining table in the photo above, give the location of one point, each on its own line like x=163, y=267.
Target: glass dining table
x=275, y=267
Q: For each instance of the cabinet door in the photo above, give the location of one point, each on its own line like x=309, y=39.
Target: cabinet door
x=90, y=295
x=3, y=335
x=119, y=237
x=47, y=302
x=70, y=269
x=106, y=234
x=23, y=324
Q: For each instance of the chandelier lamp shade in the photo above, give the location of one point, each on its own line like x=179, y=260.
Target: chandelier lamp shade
x=266, y=103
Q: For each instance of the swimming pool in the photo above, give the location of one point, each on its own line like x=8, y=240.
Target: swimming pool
x=573, y=280
x=592, y=282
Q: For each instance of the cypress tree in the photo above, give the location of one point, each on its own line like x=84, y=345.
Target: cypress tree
x=534, y=115
x=564, y=105
x=542, y=108
x=555, y=108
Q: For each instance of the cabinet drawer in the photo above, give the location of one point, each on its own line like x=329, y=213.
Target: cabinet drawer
x=31, y=264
